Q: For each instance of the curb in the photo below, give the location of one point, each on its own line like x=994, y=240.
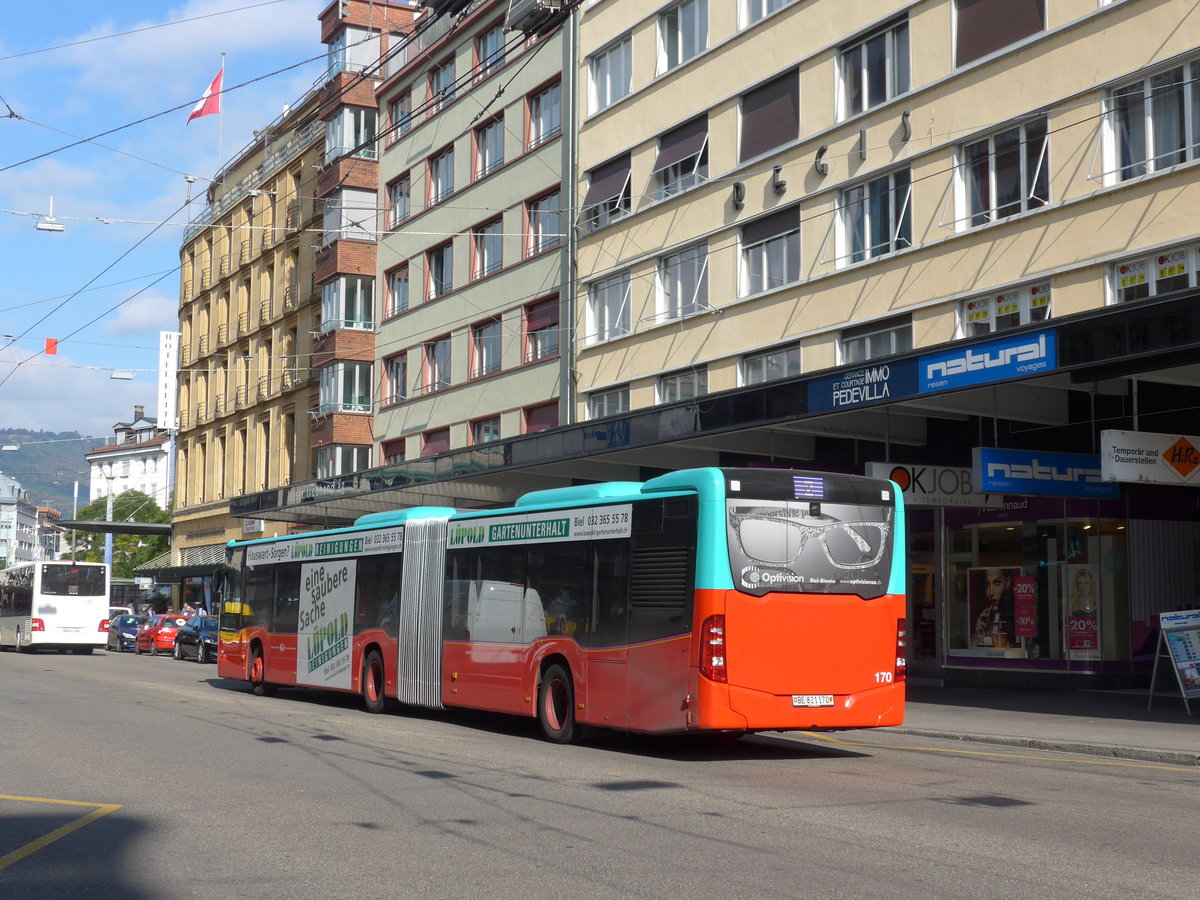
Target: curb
x=1138, y=754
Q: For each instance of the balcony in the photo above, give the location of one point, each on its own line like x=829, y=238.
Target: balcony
x=222, y=334
x=244, y=253
x=222, y=405
x=289, y=297
x=243, y=323
x=293, y=215
x=205, y=280
x=264, y=311
x=264, y=387
x=204, y=345
x=241, y=399
x=225, y=267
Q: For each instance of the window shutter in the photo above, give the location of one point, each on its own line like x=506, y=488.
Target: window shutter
x=985, y=26
x=771, y=115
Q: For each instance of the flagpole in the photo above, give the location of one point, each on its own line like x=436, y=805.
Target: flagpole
x=221, y=118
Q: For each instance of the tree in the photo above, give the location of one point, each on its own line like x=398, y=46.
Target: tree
x=129, y=550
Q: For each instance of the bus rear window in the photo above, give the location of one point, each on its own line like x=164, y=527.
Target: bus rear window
x=810, y=547
x=65, y=580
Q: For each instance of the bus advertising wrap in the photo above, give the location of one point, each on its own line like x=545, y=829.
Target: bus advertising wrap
x=593, y=524
x=323, y=638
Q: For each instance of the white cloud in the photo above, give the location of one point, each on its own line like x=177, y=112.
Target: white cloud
x=54, y=393
x=151, y=311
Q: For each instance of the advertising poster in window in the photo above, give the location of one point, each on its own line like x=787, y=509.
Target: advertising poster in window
x=1025, y=603
x=992, y=606
x=323, y=638
x=1083, y=612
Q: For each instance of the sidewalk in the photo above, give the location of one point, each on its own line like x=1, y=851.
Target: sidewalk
x=1097, y=723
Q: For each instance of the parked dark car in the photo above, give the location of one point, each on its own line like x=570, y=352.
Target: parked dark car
x=122, y=631
x=158, y=633
x=198, y=638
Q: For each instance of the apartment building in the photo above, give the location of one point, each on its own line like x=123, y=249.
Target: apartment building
x=248, y=305
x=472, y=251
x=137, y=459
x=773, y=188
x=360, y=36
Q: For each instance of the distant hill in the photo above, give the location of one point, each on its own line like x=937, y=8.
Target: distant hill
x=48, y=464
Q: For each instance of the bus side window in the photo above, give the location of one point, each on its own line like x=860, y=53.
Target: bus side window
x=258, y=596
x=286, y=616
x=611, y=593
x=560, y=578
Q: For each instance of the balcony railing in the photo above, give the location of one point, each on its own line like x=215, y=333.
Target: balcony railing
x=289, y=297
x=264, y=388
x=243, y=323
x=223, y=334
x=244, y=253
x=224, y=266
x=293, y=215
x=264, y=311
x=204, y=347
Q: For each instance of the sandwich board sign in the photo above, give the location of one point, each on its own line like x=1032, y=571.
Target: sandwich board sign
x=1179, y=642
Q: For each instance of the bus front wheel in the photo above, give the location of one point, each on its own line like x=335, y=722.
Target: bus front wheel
x=259, y=685
x=556, y=705
x=372, y=683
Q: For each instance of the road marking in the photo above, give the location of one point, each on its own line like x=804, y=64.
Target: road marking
x=1087, y=762
x=99, y=810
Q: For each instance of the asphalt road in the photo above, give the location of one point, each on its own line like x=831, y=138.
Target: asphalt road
x=137, y=777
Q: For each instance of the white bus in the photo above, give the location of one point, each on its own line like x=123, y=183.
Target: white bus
x=58, y=605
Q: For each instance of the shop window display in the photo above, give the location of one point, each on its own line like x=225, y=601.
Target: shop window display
x=1034, y=588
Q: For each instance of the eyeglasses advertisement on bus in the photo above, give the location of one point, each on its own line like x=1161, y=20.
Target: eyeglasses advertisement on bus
x=810, y=546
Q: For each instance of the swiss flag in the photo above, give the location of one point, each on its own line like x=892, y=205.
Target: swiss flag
x=210, y=103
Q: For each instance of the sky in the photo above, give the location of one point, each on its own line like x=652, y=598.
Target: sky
x=108, y=284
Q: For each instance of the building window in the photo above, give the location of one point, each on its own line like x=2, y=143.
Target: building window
x=610, y=75
x=985, y=26
x=608, y=309
x=876, y=340
x=487, y=246
x=395, y=379
x=997, y=312
x=392, y=451
x=399, y=116
x=489, y=50
x=1148, y=119
x=770, y=115
x=351, y=131
x=397, y=291
x=441, y=176
x=441, y=86
x=541, y=330
x=350, y=214
x=608, y=196
x=399, y=194
x=683, y=283
x=540, y=417
x=545, y=115
x=436, y=374
x=489, y=147
x=484, y=431
x=682, y=33
x=754, y=10
x=771, y=251
x=771, y=365
x=485, y=348
x=608, y=403
x=682, y=158
x=684, y=385
x=348, y=302
x=545, y=223
x=877, y=217
x=1007, y=173
x=342, y=459
x=1155, y=274
x=435, y=442
x=875, y=69
x=439, y=262
x=346, y=387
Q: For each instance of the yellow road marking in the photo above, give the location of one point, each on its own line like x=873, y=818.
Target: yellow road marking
x=98, y=811
x=1087, y=762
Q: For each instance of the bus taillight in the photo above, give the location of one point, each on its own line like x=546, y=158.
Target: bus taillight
x=37, y=625
x=103, y=625
x=712, y=649
x=901, y=649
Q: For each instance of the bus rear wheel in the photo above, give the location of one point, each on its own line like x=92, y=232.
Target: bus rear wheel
x=556, y=705
x=372, y=683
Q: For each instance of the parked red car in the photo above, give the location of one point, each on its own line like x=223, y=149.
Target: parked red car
x=158, y=633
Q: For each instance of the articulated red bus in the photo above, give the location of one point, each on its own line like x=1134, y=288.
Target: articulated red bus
x=733, y=600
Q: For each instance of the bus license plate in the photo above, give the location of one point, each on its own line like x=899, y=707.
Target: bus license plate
x=812, y=699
